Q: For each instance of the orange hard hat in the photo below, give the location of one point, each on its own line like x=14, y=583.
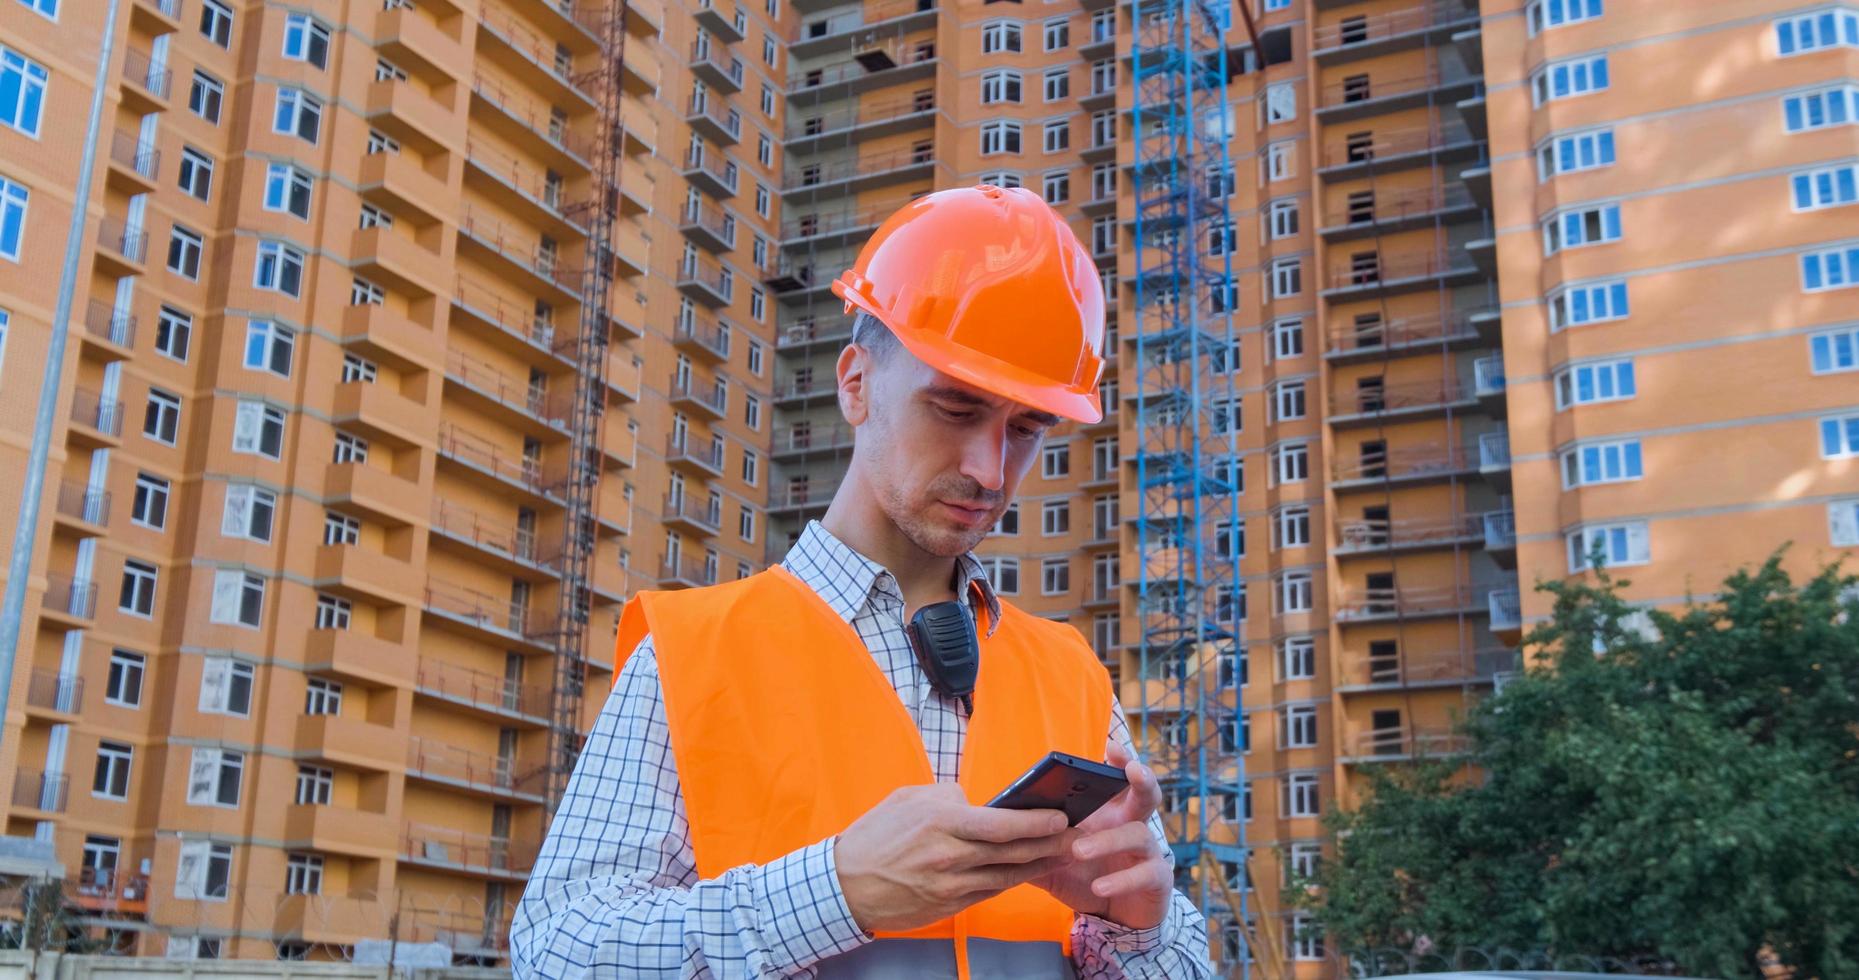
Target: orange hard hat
x=989, y=286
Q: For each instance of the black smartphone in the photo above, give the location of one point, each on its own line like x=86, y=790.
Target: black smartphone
x=1064, y=782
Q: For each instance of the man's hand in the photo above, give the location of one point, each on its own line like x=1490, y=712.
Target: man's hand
x=1122, y=872
x=925, y=854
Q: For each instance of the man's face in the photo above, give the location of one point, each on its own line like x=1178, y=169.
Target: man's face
x=944, y=458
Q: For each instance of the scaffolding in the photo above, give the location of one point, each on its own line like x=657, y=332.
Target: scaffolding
x=588, y=410
x=1190, y=599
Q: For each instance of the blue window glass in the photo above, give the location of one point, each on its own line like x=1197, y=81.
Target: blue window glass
x=13, y=198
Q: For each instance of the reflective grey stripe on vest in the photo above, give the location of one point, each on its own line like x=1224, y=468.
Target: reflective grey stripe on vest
x=934, y=959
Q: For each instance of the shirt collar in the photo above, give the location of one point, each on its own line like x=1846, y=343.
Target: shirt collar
x=846, y=579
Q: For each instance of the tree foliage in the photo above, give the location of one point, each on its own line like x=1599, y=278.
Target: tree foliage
x=1680, y=787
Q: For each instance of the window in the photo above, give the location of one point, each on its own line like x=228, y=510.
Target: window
x=216, y=22
x=1826, y=187
x=137, y=596
x=1288, y=400
x=196, y=173
x=745, y=523
x=1226, y=415
x=1003, y=573
x=333, y=613
x=1299, y=655
x=173, y=332
x=1834, y=352
x=1000, y=36
x=758, y=304
x=1103, y=128
x=768, y=101
x=1000, y=178
x=1287, y=339
x=1287, y=278
x=769, y=51
x=1009, y=523
x=1104, y=235
x=350, y=449
x=1567, y=79
x=124, y=685
x=297, y=112
x=1545, y=14
x=1294, y=593
x=1055, y=518
x=1230, y=539
x=322, y=697
x=238, y=598
x=371, y=217
x=268, y=347
x=1280, y=103
x=751, y=467
x=752, y=412
x=1000, y=86
x=205, y=871
x=1058, y=84
x=1103, y=76
x=387, y=71
x=1617, y=544
x=1839, y=436
x=161, y=420
x=1301, y=726
x=340, y=529
x=1056, y=187
x=364, y=293
x=1601, y=381
x=379, y=142
x=1836, y=106
x=258, y=429
x=1058, y=34
x=1305, y=936
x=205, y=96
x=761, y=200
x=305, y=39
x=225, y=687
x=1055, y=576
x=22, y=91
x=1301, y=793
x=249, y=512
x=1292, y=528
x=1000, y=136
x=279, y=269
x=1601, y=462
x=358, y=370
x=303, y=874
x=1291, y=463
x=184, y=248
x=44, y=8
x=1833, y=268
x=1843, y=521
x=288, y=189
x=149, y=508
x=111, y=780
x=1570, y=154
x=313, y=785
x=1278, y=162
x=1055, y=460
x=1577, y=305
x=1282, y=220
x=214, y=776
x=1587, y=226
x=1812, y=32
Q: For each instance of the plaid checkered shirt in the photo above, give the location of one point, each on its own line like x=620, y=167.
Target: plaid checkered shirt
x=615, y=890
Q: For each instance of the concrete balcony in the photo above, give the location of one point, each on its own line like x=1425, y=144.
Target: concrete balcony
x=535, y=57
x=809, y=131
x=349, y=741
x=487, y=617
x=372, y=577
x=810, y=334
x=1368, y=214
x=445, y=849
x=536, y=410
x=1396, y=669
x=146, y=85
x=380, y=412
x=717, y=121
x=385, y=336
x=1414, y=602
x=685, y=512
x=356, y=656
x=82, y=508
x=487, y=694
x=1364, y=95
x=861, y=174
x=1353, y=38
x=716, y=67
x=801, y=391
x=881, y=64
x=711, y=228
x=404, y=112
x=705, y=399
x=1494, y=458
x=338, y=830
x=69, y=602
x=1398, y=403
x=640, y=72
x=531, y=194
x=41, y=792
x=400, y=185
x=447, y=765
x=420, y=45
x=619, y=446
x=505, y=545
x=1410, y=465
x=707, y=339
x=1500, y=529
x=378, y=493
x=808, y=439
x=122, y=248
x=839, y=228
x=108, y=331
x=691, y=455
x=332, y=920
x=686, y=573
x=398, y=262
x=156, y=17
x=521, y=251
x=723, y=26
x=512, y=320
x=711, y=171
x=134, y=165
x=816, y=36
x=1372, y=273
x=801, y=499
x=1423, y=333
x=1358, y=155
x=1359, y=536
x=54, y=696
x=531, y=122
x=707, y=281
x=1488, y=380
x=1505, y=607
x=476, y=453
x=1402, y=744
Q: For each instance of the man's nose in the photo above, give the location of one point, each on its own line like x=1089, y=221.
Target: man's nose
x=984, y=457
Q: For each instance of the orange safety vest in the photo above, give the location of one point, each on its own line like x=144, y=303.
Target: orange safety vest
x=785, y=730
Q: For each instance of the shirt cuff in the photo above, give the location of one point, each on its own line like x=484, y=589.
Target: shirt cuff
x=1125, y=939
x=804, y=916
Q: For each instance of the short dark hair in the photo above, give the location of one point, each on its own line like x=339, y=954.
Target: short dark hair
x=870, y=333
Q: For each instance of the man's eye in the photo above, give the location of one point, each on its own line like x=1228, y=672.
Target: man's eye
x=955, y=415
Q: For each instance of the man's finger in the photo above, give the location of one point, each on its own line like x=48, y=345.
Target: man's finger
x=1127, y=839
x=1150, y=875
x=992, y=825
x=990, y=880
x=1023, y=850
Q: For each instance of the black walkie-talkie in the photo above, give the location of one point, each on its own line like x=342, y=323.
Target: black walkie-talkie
x=943, y=636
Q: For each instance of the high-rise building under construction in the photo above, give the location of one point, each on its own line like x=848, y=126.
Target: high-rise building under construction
x=500, y=310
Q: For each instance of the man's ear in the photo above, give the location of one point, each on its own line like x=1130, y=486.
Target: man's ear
x=854, y=371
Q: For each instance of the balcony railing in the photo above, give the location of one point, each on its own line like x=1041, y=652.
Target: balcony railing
x=536, y=116
x=124, y=239
x=805, y=125
x=45, y=791
x=513, y=317
x=1493, y=450
x=434, y=759
x=1396, y=398
x=805, y=387
x=1368, y=535
x=82, y=502
x=810, y=225
x=1410, y=462
x=709, y=275
x=459, y=683
x=684, y=506
x=109, y=889
x=487, y=611
x=725, y=118
x=75, y=597
x=135, y=154
x=820, y=29
x=466, y=851
x=900, y=53
x=1395, y=143
x=1500, y=527
x=139, y=68
x=1366, y=89
x=710, y=457
x=720, y=169
x=1488, y=375
x=693, y=571
x=1382, y=334
x=1506, y=608
x=1423, y=667
x=1363, y=30
x=716, y=221
x=1404, y=602
x=812, y=331
x=521, y=248
x=717, y=57
x=865, y=166
x=1396, y=205
x=472, y=450
x=802, y=495
x=537, y=402
x=550, y=195
x=1407, y=742
x=708, y=396
x=540, y=50
x=1373, y=270
x=513, y=540
x=813, y=438
x=103, y=321
x=53, y=691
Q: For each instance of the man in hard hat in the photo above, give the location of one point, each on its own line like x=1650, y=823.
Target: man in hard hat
x=780, y=784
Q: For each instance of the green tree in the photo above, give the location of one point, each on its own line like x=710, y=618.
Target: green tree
x=1680, y=788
